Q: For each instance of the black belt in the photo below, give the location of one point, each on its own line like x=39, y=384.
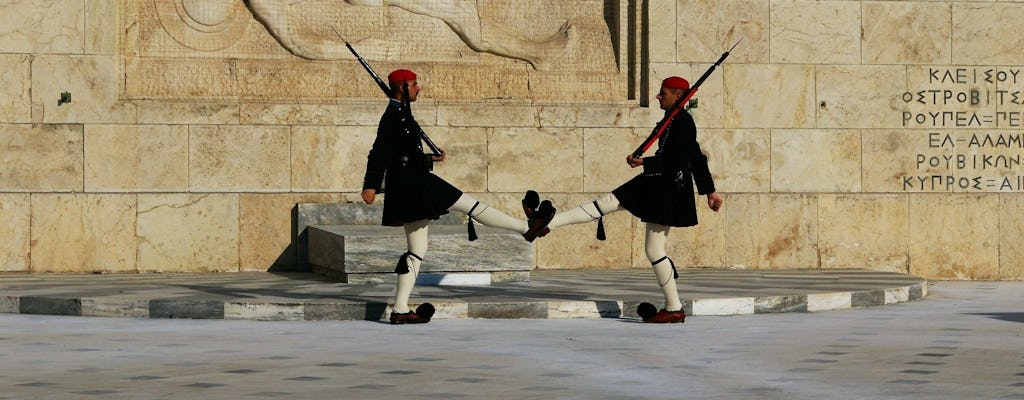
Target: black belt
x=423, y=164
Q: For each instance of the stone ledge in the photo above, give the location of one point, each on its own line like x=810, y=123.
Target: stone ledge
x=365, y=219
x=365, y=253
x=354, y=214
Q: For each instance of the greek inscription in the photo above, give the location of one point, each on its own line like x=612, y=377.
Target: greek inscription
x=997, y=141
x=943, y=119
x=968, y=161
x=941, y=182
x=974, y=118
x=935, y=96
x=1014, y=183
x=973, y=75
x=987, y=140
x=957, y=75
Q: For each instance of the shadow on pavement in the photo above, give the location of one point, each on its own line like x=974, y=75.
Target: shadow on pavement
x=1004, y=316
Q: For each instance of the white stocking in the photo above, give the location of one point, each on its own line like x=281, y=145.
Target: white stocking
x=488, y=215
x=664, y=270
x=416, y=237
x=587, y=212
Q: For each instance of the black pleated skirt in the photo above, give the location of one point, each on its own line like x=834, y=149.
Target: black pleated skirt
x=416, y=195
x=659, y=199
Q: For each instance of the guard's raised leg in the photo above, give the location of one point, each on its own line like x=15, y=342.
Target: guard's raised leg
x=486, y=215
x=586, y=212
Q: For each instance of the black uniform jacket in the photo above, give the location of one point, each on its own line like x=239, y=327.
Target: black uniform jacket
x=663, y=193
x=398, y=167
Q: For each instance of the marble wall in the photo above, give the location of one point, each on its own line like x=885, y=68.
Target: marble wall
x=885, y=135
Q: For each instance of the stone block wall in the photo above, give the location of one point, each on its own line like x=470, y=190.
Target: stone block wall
x=883, y=135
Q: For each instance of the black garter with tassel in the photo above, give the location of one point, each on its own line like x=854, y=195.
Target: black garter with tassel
x=600, y=223
x=403, y=263
x=675, y=273
x=471, y=230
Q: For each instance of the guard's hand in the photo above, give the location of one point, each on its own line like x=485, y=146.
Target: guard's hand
x=715, y=201
x=634, y=161
x=369, y=195
x=440, y=157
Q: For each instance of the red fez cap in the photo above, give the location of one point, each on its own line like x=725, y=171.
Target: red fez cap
x=675, y=82
x=401, y=75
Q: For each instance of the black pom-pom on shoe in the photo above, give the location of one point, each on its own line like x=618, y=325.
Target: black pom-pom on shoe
x=425, y=310
x=420, y=316
x=530, y=203
x=646, y=311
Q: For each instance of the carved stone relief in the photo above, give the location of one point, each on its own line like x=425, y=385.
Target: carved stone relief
x=286, y=50
x=203, y=25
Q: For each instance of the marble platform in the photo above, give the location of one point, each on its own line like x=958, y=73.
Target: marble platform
x=548, y=294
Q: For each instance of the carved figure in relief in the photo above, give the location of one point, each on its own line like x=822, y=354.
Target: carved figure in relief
x=397, y=163
x=462, y=16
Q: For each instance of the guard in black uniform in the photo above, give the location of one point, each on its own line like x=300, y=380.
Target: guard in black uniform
x=414, y=195
x=661, y=196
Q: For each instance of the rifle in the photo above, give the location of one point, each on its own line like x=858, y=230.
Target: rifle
x=387, y=92
x=678, y=105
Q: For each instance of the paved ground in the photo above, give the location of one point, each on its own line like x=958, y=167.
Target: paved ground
x=964, y=341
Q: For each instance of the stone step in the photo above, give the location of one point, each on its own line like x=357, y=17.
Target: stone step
x=344, y=213
x=369, y=253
